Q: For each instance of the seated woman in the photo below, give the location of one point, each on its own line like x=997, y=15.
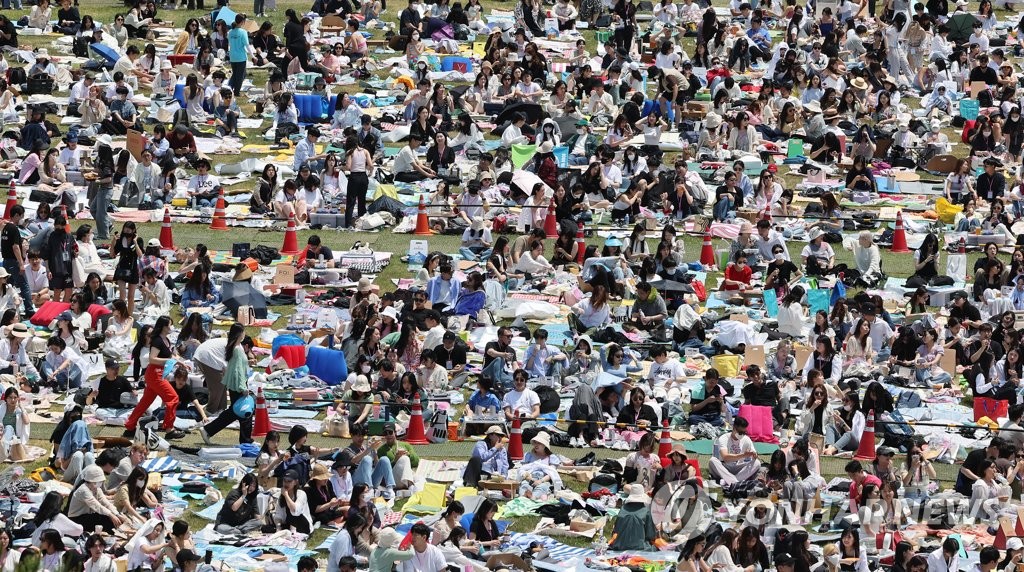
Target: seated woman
x=49, y=516
x=634, y=527
x=738, y=276
x=89, y=505
x=240, y=513
x=489, y=457
x=290, y=202
x=637, y=418
x=642, y=466
x=134, y=494
x=324, y=506
x=199, y=291
x=472, y=297
x=533, y=261
x=539, y=469
x=484, y=530
x=476, y=241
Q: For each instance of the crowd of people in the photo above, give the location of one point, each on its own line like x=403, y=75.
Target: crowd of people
x=621, y=132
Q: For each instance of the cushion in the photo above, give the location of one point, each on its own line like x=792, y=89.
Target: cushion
x=48, y=312
x=294, y=356
x=97, y=311
x=310, y=107
x=760, y=418
x=327, y=364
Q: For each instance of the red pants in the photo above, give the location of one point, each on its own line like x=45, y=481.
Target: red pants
x=156, y=385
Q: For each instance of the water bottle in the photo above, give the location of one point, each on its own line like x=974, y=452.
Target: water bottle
x=601, y=544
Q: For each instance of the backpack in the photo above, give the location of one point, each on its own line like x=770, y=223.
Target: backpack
x=610, y=481
x=549, y=399
x=300, y=463
x=17, y=76
x=265, y=255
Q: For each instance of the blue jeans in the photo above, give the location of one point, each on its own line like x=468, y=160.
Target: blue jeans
x=926, y=376
x=844, y=442
x=70, y=378
x=577, y=160
x=713, y=419
x=18, y=280
x=468, y=254
x=7, y=4
x=968, y=225
x=98, y=208
x=497, y=372
x=374, y=475
x=722, y=209
x=206, y=203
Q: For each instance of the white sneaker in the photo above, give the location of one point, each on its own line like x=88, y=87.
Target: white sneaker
x=205, y=436
x=388, y=493
x=575, y=442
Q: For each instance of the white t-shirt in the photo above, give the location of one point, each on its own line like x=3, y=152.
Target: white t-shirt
x=430, y=560
x=521, y=401
x=735, y=446
x=202, y=183
x=671, y=370
x=404, y=160
x=211, y=354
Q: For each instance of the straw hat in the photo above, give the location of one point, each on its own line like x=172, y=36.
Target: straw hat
x=813, y=107
x=42, y=53
x=478, y=224
x=4, y=273
x=544, y=439
x=713, y=121
x=546, y=147
x=859, y=83
x=496, y=430
x=636, y=493
x=19, y=330
x=678, y=449
x=746, y=227
x=319, y=473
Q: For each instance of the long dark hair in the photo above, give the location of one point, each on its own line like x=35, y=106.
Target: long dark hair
x=235, y=335
x=271, y=437
x=49, y=508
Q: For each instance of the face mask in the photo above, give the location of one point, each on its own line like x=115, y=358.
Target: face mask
x=527, y=57
x=580, y=131
x=1015, y=117
x=366, y=498
x=780, y=257
x=366, y=369
x=832, y=559
x=987, y=133
x=630, y=157
x=847, y=407
x=140, y=482
x=903, y=128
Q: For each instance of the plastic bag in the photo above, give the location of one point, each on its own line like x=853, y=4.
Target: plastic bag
x=946, y=210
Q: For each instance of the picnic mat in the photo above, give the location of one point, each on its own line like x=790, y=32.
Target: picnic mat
x=704, y=447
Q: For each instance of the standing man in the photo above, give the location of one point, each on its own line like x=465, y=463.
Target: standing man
x=209, y=356
x=13, y=254
x=238, y=52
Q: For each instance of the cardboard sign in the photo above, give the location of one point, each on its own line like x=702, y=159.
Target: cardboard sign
x=754, y=356
x=977, y=87
x=136, y=143
x=285, y=274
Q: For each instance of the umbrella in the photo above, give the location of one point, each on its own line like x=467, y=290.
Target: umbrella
x=532, y=111
x=109, y=54
x=961, y=26
x=236, y=294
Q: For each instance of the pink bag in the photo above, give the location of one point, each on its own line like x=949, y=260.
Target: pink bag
x=761, y=429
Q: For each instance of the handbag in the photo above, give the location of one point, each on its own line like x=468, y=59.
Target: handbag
x=991, y=408
x=246, y=315
x=885, y=542
x=337, y=426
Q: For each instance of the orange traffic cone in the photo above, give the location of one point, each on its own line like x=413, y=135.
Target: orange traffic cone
x=665, y=444
x=416, y=435
x=219, y=222
x=581, y=245
x=899, y=239
x=291, y=240
x=67, y=221
x=550, y=223
x=422, y=224
x=707, y=252
x=961, y=246
x=12, y=199
x=166, y=237
x=767, y=214
x=261, y=425
x=515, y=440
x=866, y=451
